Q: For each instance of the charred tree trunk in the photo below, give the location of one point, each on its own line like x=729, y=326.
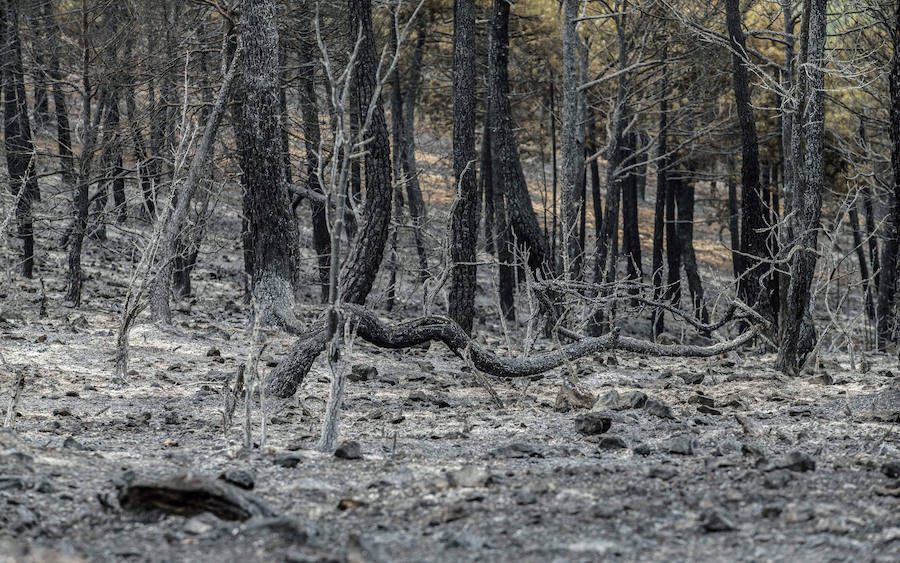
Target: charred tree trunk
x=312, y=138
x=509, y=179
x=486, y=180
x=753, y=284
x=859, y=246
x=795, y=343
x=20, y=153
x=673, y=249
x=63, y=130
x=272, y=229
x=734, y=221
x=464, y=218
x=684, y=199
x=572, y=143
x=869, y=210
x=659, y=210
x=608, y=243
x=631, y=239
x=888, y=285
x=364, y=259
x=414, y=197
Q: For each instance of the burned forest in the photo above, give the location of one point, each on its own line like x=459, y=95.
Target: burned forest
x=434, y=280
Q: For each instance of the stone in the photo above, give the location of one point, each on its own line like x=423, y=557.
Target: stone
x=682, y=445
x=611, y=443
x=213, y=353
x=469, y=476
x=287, y=460
x=709, y=410
x=239, y=478
x=592, y=423
x=778, y=479
x=727, y=447
x=701, y=399
x=659, y=408
x=348, y=450
x=717, y=521
x=196, y=526
x=517, y=450
x=623, y=401
x=663, y=472
x=62, y=411
x=362, y=372
x=797, y=461
x=573, y=395
x=692, y=377
x=891, y=469
x=643, y=449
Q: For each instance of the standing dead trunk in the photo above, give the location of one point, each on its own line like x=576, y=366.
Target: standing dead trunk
x=312, y=138
x=684, y=199
x=808, y=206
x=414, y=197
x=364, y=258
x=509, y=179
x=888, y=285
x=272, y=229
x=63, y=131
x=464, y=218
x=659, y=209
x=757, y=258
x=631, y=239
x=20, y=153
x=859, y=247
x=572, y=142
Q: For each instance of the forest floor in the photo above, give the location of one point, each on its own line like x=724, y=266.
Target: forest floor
x=718, y=460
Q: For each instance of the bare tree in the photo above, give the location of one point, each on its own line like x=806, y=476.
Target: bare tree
x=808, y=205
x=464, y=220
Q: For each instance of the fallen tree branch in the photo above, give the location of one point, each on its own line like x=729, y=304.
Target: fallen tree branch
x=284, y=379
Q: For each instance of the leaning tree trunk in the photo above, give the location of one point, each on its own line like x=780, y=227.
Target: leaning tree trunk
x=20, y=153
x=888, y=286
x=509, y=179
x=808, y=206
x=572, y=142
x=272, y=229
x=464, y=218
x=757, y=258
x=364, y=258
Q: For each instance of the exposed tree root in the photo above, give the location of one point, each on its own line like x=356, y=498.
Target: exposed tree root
x=287, y=376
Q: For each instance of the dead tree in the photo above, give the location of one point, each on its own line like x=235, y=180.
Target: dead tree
x=284, y=379
x=658, y=319
x=515, y=220
x=365, y=256
x=272, y=229
x=464, y=220
x=888, y=282
x=20, y=153
x=808, y=205
x=757, y=258
x=572, y=142
x=312, y=138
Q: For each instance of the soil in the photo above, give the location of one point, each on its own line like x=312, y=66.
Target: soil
x=682, y=460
